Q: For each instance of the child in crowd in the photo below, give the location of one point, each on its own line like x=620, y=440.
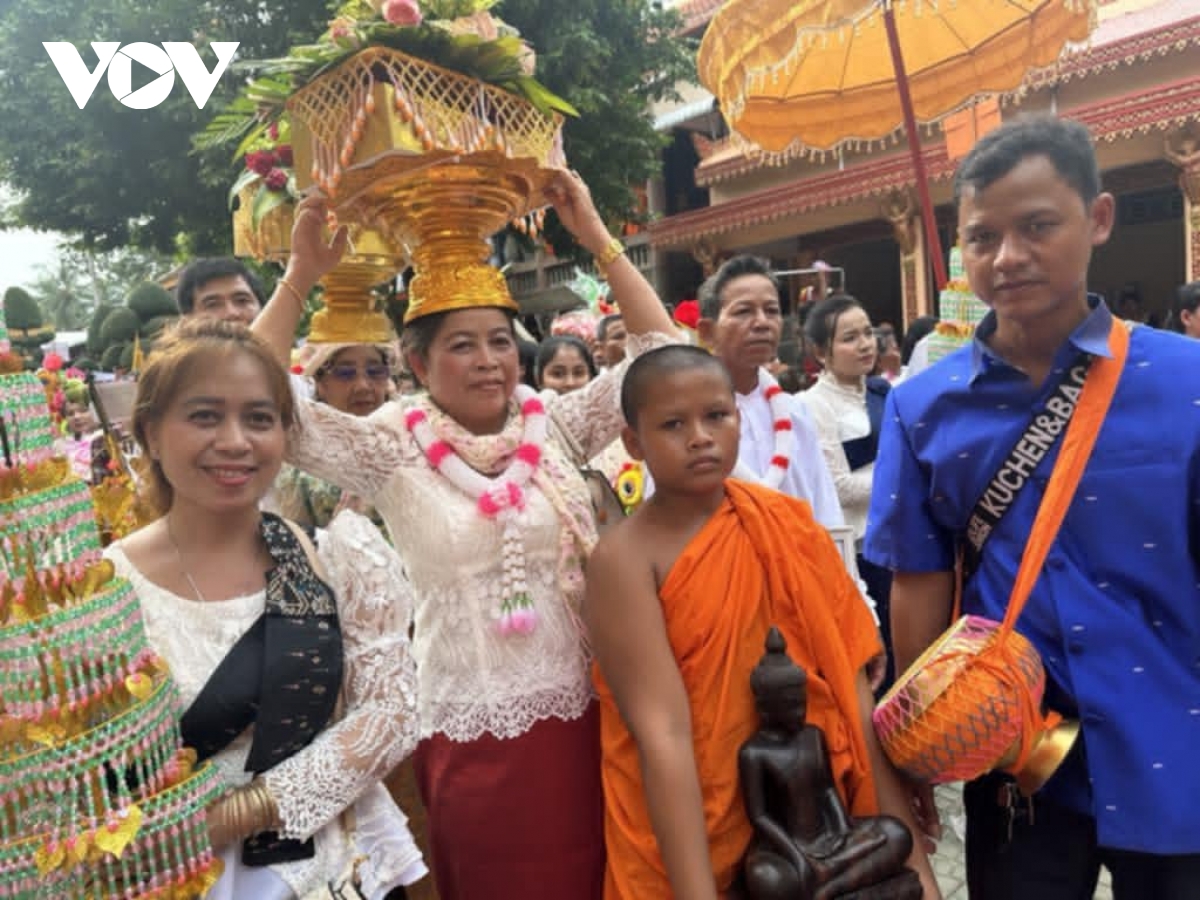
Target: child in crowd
x=679, y=600
x=563, y=364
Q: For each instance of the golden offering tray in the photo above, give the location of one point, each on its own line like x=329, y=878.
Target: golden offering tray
x=432, y=161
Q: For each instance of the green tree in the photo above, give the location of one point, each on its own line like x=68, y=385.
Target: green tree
x=107, y=175
x=79, y=280
x=27, y=328
x=610, y=59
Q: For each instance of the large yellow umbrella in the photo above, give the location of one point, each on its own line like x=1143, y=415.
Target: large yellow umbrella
x=819, y=73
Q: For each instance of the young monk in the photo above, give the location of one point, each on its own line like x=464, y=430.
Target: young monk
x=679, y=601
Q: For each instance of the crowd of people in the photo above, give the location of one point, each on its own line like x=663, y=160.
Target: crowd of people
x=393, y=554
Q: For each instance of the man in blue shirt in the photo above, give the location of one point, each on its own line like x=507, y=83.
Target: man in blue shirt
x=1115, y=613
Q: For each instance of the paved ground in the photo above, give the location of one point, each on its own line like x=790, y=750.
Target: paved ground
x=948, y=861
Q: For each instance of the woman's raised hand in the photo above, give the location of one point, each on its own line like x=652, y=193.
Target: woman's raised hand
x=573, y=202
x=312, y=252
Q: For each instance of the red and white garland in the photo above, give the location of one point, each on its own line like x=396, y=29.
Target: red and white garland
x=501, y=497
x=781, y=425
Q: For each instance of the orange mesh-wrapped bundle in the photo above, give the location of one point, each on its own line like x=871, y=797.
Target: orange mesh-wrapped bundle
x=971, y=704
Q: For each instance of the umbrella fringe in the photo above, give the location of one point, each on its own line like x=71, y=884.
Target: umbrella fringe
x=798, y=150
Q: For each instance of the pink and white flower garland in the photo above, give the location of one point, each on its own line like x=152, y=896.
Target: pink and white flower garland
x=501, y=497
x=781, y=424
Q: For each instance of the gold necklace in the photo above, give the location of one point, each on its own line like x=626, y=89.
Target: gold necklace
x=183, y=568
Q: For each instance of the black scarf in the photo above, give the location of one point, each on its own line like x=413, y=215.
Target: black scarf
x=283, y=676
x=861, y=451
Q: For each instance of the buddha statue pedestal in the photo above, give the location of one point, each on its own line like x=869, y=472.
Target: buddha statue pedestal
x=806, y=846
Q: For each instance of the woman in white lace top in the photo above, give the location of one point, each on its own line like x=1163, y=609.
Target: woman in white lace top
x=484, y=502
x=292, y=662
x=846, y=403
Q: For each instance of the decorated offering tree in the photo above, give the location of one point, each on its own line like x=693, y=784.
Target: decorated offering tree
x=97, y=796
x=959, y=311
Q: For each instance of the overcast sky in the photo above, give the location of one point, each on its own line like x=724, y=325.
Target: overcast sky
x=21, y=252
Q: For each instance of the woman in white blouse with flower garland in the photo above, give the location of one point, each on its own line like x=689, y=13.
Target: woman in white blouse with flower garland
x=493, y=521
x=846, y=404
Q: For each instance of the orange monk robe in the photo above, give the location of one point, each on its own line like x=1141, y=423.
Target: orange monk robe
x=761, y=560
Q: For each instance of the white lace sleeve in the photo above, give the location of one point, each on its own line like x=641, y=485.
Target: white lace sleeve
x=853, y=487
x=378, y=727
x=358, y=454
x=593, y=413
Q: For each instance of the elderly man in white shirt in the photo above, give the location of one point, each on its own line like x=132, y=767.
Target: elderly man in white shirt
x=741, y=321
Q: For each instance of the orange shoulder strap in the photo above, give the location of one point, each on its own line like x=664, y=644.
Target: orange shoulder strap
x=1098, y=390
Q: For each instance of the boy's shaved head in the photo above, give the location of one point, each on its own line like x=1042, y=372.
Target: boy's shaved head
x=655, y=364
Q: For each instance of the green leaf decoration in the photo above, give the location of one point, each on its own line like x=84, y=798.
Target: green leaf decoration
x=248, y=176
x=544, y=100
x=251, y=137
x=265, y=201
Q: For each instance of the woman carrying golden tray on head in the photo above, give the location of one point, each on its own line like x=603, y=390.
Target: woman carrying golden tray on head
x=485, y=504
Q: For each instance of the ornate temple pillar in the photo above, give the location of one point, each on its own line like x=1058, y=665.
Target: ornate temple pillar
x=900, y=208
x=1183, y=149
x=705, y=253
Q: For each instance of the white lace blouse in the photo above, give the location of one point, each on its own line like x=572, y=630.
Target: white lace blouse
x=346, y=761
x=473, y=680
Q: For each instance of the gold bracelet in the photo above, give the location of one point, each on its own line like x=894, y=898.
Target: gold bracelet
x=264, y=814
x=609, y=254
x=283, y=282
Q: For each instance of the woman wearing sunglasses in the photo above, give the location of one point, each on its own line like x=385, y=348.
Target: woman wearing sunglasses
x=351, y=378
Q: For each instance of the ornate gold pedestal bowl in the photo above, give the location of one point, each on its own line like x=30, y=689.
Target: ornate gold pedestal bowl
x=433, y=161
x=350, y=315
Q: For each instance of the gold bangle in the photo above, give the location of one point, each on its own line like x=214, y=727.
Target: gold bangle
x=609, y=254
x=264, y=813
x=283, y=282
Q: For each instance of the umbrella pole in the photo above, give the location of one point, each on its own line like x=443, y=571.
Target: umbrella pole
x=914, y=146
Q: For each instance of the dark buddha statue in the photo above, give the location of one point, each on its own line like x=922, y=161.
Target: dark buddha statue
x=806, y=846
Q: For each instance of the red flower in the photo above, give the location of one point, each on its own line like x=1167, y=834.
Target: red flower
x=52, y=361
x=276, y=179
x=261, y=161
x=273, y=131
x=687, y=313
x=284, y=152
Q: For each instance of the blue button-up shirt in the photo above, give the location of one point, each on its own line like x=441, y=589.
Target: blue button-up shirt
x=1116, y=611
